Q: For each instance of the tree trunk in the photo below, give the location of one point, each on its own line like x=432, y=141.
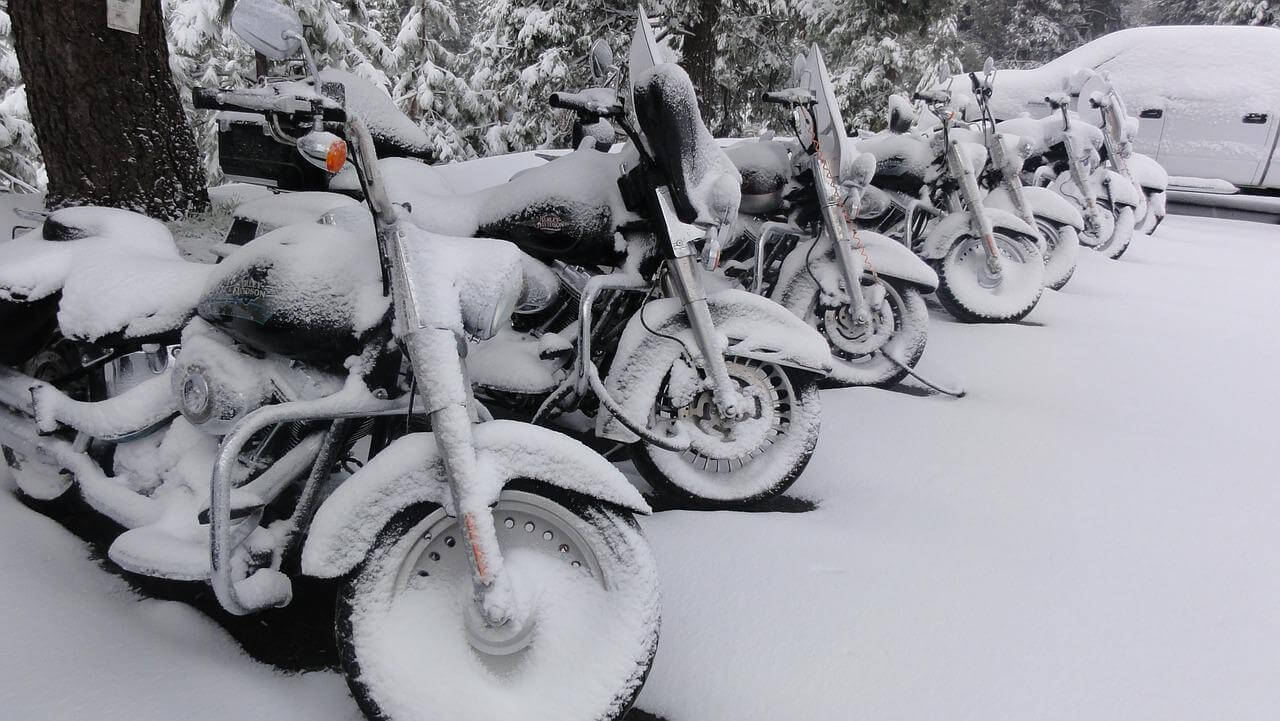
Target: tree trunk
x=698, y=57
x=105, y=109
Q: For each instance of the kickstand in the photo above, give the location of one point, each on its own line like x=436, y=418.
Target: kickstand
x=956, y=393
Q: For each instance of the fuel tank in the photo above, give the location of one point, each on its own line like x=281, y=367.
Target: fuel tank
x=566, y=210
x=901, y=161
x=306, y=291
x=765, y=167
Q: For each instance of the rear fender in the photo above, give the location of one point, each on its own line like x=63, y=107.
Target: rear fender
x=960, y=224
x=755, y=327
x=1148, y=173
x=1044, y=203
x=411, y=471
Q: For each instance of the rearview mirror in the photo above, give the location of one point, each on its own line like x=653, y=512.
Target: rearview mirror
x=989, y=67
x=601, y=59
x=268, y=27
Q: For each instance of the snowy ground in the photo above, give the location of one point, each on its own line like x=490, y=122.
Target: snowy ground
x=1091, y=534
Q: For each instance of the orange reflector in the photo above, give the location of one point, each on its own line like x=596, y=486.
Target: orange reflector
x=336, y=157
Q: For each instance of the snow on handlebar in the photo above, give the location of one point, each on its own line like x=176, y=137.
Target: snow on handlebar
x=580, y=103
x=259, y=102
x=791, y=96
x=929, y=96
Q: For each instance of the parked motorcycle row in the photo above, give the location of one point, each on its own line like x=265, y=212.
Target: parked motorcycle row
x=413, y=391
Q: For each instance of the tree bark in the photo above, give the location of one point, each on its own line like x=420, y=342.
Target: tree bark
x=698, y=57
x=106, y=112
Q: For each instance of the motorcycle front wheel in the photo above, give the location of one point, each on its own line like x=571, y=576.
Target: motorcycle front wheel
x=1122, y=234
x=736, y=462
x=971, y=292
x=581, y=568
x=1106, y=227
x=899, y=326
x=1063, y=248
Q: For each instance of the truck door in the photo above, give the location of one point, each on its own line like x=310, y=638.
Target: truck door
x=1209, y=140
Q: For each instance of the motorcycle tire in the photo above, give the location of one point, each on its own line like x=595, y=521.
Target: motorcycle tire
x=404, y=644
x=722, y=473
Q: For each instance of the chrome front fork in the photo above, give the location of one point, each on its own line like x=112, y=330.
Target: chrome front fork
x=1092, y=219
x=961, y=170
x=1014, y=183
x=851, y=264
x=682, y=274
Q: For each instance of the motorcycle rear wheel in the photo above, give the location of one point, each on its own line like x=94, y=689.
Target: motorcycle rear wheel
x=767, y=455
x=581, y=566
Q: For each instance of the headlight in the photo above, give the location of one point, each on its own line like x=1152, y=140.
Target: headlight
x=194, y=397
x=484, y=316
x=215, y=385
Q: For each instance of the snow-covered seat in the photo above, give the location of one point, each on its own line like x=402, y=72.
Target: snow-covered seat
x=118, y=272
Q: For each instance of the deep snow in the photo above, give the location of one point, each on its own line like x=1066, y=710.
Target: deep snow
x=1090, y=534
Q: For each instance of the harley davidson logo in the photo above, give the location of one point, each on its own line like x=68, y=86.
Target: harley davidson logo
x=549, y=223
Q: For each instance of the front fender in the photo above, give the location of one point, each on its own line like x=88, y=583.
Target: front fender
x=755, y=327
x=887, y=256
x=1044, y=203
x=1122, y=191
x=960, y=224
x=411, y=471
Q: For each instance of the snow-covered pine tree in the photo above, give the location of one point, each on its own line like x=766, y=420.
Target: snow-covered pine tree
x=526, y=50
x=1020, y=32
x=1248, y=12
x=733, y=52
x=426, y=82
x=874, y=48
x=19, y=153
x=203, y=52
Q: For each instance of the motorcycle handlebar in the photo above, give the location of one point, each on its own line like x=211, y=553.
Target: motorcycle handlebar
x=582, y=104
x=1057, y=102
x=930, y=96
x=249, y=101
x=790, y=96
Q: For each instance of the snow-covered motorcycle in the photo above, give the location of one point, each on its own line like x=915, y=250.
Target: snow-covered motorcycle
x=1066, y=157
x=796, y=240
x=1118, y=132
x=989, y=263
x=712, y=390
x=1056, y=221
x=481, y=562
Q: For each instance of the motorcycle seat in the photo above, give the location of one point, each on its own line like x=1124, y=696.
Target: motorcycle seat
x=111, y=271
x=129, y=297
x=36, y=265
x=705, y=185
